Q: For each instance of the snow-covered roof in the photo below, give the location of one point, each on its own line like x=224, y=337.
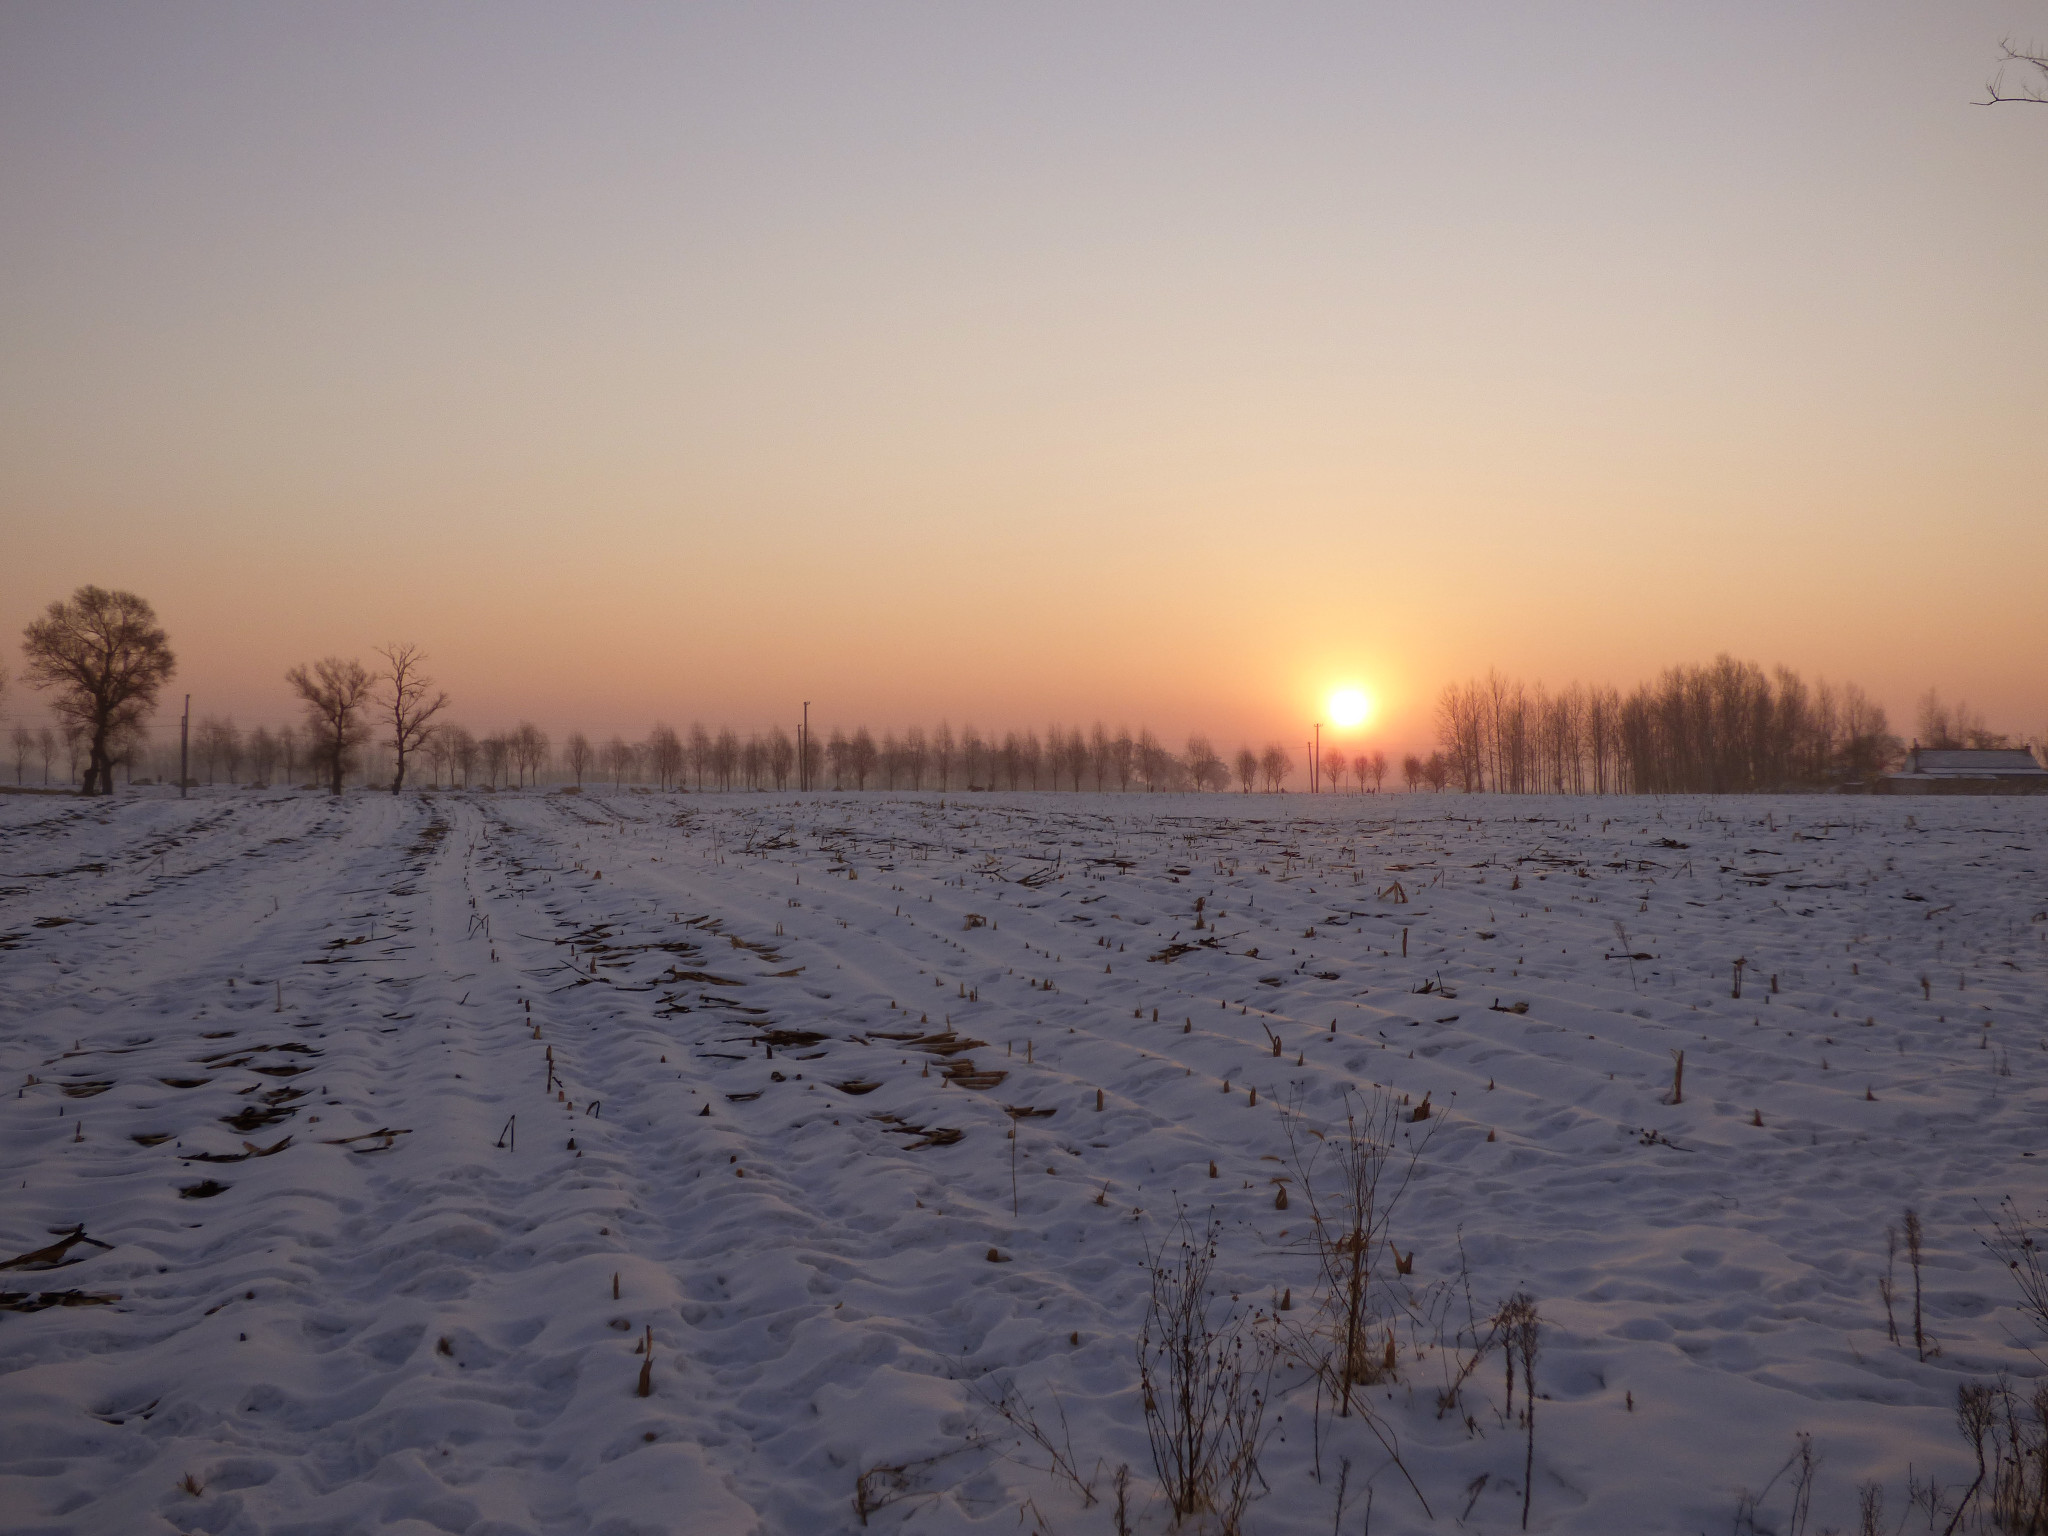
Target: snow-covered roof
x=1973, y=761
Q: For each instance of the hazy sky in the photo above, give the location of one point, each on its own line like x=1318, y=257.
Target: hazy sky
x=1030, y=362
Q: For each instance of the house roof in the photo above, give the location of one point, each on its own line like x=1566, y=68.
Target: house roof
x=1973, y=761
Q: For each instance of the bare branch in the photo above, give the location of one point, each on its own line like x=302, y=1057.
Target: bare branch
x=2034, y=92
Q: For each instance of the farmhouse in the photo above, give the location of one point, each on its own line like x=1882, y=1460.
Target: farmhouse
x=1967, y=771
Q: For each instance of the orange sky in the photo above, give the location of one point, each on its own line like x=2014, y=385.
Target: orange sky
x=1163, y=365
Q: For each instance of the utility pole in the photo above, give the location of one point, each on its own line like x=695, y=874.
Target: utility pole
x=803, y=749
x=1317, y=759
x=184, y=745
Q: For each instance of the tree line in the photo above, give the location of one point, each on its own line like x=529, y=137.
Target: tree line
x=1727, y=727
x=1061, y=758
x=104, y=660
x=1723, y=728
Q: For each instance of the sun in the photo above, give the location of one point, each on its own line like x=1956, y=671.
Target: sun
x=1349, y=707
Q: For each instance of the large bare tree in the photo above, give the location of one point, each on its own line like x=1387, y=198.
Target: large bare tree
x=105, y=658
x=409, y=702
x=337, y=695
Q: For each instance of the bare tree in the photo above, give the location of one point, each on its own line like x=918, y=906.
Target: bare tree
x=1123, y=756
x=1247, y=764
x=2031, y=90
x=1274, y=766
x=1205, y=768
x=942, y=755
x=576, y=753
x=497, y=754
x=410, y=703
x=1073, y=749
x=46, y=749
x=218, y=744
x=337, y=695
x=105, y=658
x=529, y=745
x=1158, y=768
x=781, y=756
x=664, y=755
x=618, y=757
x=1379, y=771
x=23, y=740
x=262, y=754
x=462, y=753
x=860, y=757
x=700, y=754
x=288, y=749
x=811, y=756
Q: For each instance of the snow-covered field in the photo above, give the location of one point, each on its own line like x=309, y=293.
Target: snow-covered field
x=397, y=1127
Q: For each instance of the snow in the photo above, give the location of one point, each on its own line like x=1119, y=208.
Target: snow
x=400, y=1315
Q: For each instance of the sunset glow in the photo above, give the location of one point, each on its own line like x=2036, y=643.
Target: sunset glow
x=703, y=362
x=1349, y=708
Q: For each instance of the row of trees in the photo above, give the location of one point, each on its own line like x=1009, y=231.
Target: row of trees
x=45, y=746
x=1723, y=728
x=1944, y=725
x=1060, y=759
x=345, y=703
x=706, y=760
x=106, y=660
x=103, y=660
